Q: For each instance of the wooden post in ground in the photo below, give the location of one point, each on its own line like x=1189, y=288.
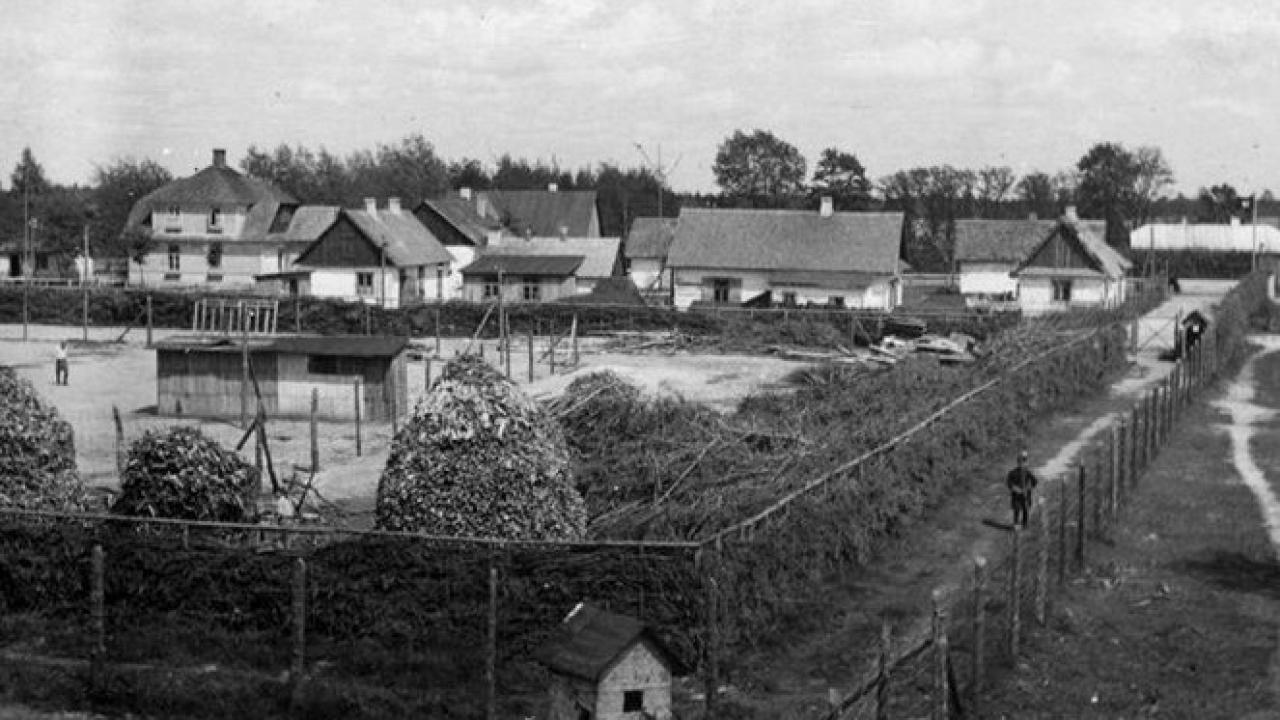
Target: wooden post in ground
x=530, y=336
x=298, y=615
x=1131, y=467
x=574, y=335
x=98, y=614
x=491, y=649
x=315, y=430
x=120, y=450
x=941, y=688
x=883, y=671
x=1113, y=477
x=1080, y=515
x=1042, y=569
x=506, y=345
x=84, y=295
x=979, y=632
x=149, y=320
x=437, y=331
x=1062, y=531
x=1101, y=467
x=297, y=316
x=244, y=371
x=426, y=376
x=1015, y=599
x=357, y=393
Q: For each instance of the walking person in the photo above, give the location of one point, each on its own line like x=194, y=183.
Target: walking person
x=60, y=371
x=1021, y=483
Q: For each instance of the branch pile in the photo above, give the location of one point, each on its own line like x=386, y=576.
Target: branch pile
x=180, y=473
x=37, y=450
x=479, y=458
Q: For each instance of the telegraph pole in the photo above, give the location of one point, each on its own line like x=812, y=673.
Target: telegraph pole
x=26, y=251
x=659, y=171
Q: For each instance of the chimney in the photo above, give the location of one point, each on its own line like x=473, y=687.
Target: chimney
x=564, y=233
x=828, y=208
x=393, y=204
x=465, y=193
x=371, y=206
x=552, y=187
x=219, y=157
x=1069, y=214
x=1235, y=221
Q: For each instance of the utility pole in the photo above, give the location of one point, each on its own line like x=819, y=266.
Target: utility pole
x=659, y=171
x=26, y=251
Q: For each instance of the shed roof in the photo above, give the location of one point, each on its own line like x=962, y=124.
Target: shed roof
x=543, y=212
x=650, y=237
x=1005, y=241
x=591, y=639
x=560, y=265
x=787, y=240
x=336, y=345
x=599, y=254
x=407, y=241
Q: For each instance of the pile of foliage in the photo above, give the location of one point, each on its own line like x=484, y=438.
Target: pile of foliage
x=37, y=451
x=181, y=473
x=479, y=458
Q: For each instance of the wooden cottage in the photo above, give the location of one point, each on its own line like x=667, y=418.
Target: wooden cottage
x=1071, y=267
x=607, y=667
x=202, y=376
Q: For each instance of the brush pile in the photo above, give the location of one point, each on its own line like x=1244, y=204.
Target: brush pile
x=479, y=458
x=183, y=474
x=37, y=451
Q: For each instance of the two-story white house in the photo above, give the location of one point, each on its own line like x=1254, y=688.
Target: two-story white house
x=220, y=228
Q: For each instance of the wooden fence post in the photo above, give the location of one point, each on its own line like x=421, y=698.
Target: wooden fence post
x=150, y=323
x=979, y=632
x=120, y=450
x=1113, y=478
x=941, y=688
x=491, y=649
x=1062, y=531
x=884, y=670
x=437, y=331
x=1042, y=569
x=356, y=391
x=530, y=336
x=298, y=658
x=1080, y=515
x=1132, y=446
x=98, y=614
x=1015, y=599
x=575, y=340
x=315, y=431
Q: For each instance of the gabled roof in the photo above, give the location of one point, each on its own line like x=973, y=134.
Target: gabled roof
x=559, y=265
x=1223, y=238
x=1000, y=241
x=590, y=641
x=650, y=237
x=600, y=254
x=542, y=212
x=222, y=186
x=1101, y=257
x=407, y=241
x=787, y=240
x=309, y=222
x=461, y=214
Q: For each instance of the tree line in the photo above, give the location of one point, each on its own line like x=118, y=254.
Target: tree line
x=1124, y=186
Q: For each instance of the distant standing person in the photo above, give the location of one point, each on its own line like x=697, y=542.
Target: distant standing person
x=60, y=372
x=1021, y=482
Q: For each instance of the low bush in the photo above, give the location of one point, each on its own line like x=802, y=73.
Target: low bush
x=37, y=450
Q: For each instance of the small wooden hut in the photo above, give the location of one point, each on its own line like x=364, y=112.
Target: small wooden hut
x=606, y=666
x=202, y=376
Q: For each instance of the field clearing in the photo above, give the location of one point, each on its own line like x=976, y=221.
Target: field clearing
x=105, y=374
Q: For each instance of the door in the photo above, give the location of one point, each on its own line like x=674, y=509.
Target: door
x=15, y=265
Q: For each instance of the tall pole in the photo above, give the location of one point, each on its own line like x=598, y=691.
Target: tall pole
x=26, y=251
x=1253, y=204
x=84, y=286
x=382, y=282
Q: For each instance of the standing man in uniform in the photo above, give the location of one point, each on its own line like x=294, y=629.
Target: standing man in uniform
x=1021, y=482
x=60, y=371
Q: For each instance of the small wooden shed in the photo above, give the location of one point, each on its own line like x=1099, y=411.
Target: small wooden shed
x=202, y=376
x=606, y=666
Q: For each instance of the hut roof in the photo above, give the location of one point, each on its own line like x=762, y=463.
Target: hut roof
x=557, y=265
x=333, y=345
x=591, y=639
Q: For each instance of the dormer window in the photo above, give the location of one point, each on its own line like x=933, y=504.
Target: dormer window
x=173, y=219
x=215, y=219
x=175, y=212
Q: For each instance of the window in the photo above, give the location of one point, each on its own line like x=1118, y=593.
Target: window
x=175, y=257
x=215, y=219
x=282, y=260
x=440, y=282
x=1062, y=291
x=422, y=281
x=42, y=261
x=214, y=256
x=633, y=701
x=173, y=221
x=491, y=290
x=720, y=290
x=836, y=301
x=531, y=291
x=789, y=299
x=213, y=277
x=323, y=365
x=172, y=277
x=364, y=284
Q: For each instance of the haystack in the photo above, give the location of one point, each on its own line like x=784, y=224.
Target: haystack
x=37, y=451
x=480, y=458
x=181, y=473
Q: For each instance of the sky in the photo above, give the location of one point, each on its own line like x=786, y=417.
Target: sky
x=1031, y=84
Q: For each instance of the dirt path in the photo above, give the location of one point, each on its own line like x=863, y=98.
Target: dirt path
x=1179, y=615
